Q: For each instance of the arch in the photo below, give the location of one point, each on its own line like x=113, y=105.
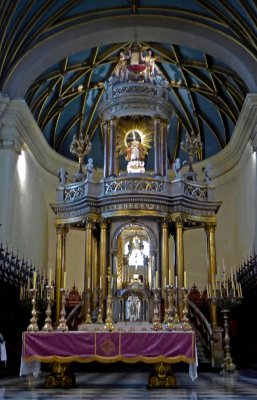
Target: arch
x=124, y=226
x=127, y=28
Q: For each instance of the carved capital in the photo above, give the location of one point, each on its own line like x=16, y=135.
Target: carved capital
x=62, y=229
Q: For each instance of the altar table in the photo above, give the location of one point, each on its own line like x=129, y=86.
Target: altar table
x=108, y=347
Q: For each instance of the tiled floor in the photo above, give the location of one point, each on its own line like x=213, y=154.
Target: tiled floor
x=132, y=385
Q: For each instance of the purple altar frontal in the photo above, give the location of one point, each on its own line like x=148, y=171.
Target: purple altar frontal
x=107, y=347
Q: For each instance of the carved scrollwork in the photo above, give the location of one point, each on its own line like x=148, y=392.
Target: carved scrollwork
x=197, y=192
x=140, y=185
x=74, y=193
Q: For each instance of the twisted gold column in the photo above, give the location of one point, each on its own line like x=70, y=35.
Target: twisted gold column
x=88, y=263
x=180, y=263
x=60, y=266
x=212, y=266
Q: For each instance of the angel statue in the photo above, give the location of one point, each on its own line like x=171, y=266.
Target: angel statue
x=81, y=147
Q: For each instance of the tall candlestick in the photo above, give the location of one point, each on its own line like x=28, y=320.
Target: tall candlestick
x=64, y=280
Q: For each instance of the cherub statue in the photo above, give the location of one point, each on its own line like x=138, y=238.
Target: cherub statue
x=89, y=167
x=207, y=177
x=62, y=175
x=176, y=166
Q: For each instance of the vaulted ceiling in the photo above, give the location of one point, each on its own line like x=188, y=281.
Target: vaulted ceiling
x=64, y=85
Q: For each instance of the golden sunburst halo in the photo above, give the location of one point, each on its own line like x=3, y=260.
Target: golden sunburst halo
x=143, y=127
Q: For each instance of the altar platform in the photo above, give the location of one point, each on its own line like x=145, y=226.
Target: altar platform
x=161, y=348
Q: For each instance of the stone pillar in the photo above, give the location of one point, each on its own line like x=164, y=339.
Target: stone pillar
x=165, y=254
x=88, y=262
x=106, y=148
x=212, y=266
x=103, y=256
x=164, y=149
x=180, y=262
x=10, y=149
x=157, y=123
x=60, y=266
x=112, y=149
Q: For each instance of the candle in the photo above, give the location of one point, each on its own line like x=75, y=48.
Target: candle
x=112, y=282
x=165, y=281
x=157, y=278
x=176, y=281
x=34, y=280
x=240, y=291
x=185, y=279
x=88, y=282
x=64, y=280
x=100, y=282
x=50, y=277
x=169, y=277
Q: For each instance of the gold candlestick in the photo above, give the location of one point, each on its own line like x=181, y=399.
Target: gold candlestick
x=88, y=316
x=157, y=326
x=185, y=321
x=108, y=322
x=48, y=321
x=170, y=307
x=33, y=326
x=100, y=307
x=62, y=321
x=175, y=325
x=166, y=305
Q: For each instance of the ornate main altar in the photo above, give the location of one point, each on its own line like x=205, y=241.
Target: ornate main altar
x=128, y=214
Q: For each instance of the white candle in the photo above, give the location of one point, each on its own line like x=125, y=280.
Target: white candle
x=157, y=279
x=64, y=280
x=240, y=291
x=34, y=280
x=165, y=281
x=185, y=279
x=100, y=282
x=88, y=282
x=50, y=277
x=169, y=277
x=176, y=281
